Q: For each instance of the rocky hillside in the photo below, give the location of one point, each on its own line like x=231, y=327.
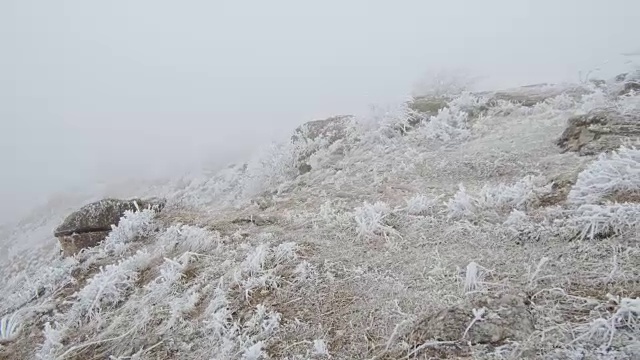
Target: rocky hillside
x=498, y=225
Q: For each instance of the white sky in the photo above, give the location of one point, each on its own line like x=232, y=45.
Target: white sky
x=93, y=90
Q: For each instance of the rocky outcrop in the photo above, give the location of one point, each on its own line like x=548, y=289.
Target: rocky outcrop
x=92, y=223
x=599, y=131
x=329, y=130
x=427, y=105
x=628, y=82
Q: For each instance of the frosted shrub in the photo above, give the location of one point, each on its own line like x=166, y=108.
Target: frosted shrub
x=447, y=125
x=467, y=102
x=131, y=226
x=593, y=221
x=369, y=219
x=108, y=287
x=514, y=196
x=618, y=171
x=273, y=166
x=561, y=102
x=53, y=336
x=189, y=238
x=461, y=205
x=517, y=220
x=422, y=205
x=330, y=216
x=629, y=104
x=254, y=352
x=596, y=100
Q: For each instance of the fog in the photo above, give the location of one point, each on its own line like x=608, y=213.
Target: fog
x=102, y=90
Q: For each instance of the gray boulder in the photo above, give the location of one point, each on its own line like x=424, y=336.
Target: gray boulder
x=92, y=223
x=599, y=131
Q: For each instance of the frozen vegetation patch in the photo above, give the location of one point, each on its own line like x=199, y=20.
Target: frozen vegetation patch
x=321, y=281
x=610, y=173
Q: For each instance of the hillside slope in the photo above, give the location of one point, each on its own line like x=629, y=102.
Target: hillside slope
x=455, y=232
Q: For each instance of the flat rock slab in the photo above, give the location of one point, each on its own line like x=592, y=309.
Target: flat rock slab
x=92, y=223
x=599, y=131
x=100, y=215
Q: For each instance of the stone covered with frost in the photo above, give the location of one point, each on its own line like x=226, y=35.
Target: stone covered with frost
x=93, y=222
x=599, y=131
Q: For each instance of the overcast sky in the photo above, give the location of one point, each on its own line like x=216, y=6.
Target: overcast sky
x=93, y=90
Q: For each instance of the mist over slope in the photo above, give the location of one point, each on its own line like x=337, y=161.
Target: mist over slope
x=451, y=225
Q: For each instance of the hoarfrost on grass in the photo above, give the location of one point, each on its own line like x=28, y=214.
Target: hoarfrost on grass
x=618, y=171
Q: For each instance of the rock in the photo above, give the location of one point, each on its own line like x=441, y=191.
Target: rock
x=329, y=130
x=626, y=83
x=506, y=317
x=599, y=131
x=560, y=187
x=428, y=105
x=532, y=95
x=72, y=244
x=629, y=87
x=332, y=129
x=92, y=223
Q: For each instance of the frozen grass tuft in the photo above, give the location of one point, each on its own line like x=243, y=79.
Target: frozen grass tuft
x=320, y=348
x=107, y=288
x=9, y=328
x=132, y=225
x=422, y=205
x=370, y=219
x=618, y=171
x=181, y=238
x=461, y=205
x=596, y=221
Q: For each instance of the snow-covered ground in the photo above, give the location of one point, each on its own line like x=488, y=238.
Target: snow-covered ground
x=398, y=243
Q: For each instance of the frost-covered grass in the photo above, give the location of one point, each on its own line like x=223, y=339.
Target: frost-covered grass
x=401, y=216
x=610, y=173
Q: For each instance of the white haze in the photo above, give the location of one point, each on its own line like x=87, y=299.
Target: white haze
x=95, y=91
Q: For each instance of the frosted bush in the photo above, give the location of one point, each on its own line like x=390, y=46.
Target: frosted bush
x=190, y=238
x=369, y=219
x=602, y=331
x=629, y=104
x=461, y=205
x=618, y=171
x=53, y=336
x=498, y=199
x=217, y=314
x=514, y=196
x=518, y=222
x=255, y=261
x=598, y=99
x=330, y=216
x=180, y=306
x=592, y=221
x=131, y=226
x=447, y=125
x=255, y=352
x=561, y=102
x=422, y=204
x=273, y=166
x=108, y=287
